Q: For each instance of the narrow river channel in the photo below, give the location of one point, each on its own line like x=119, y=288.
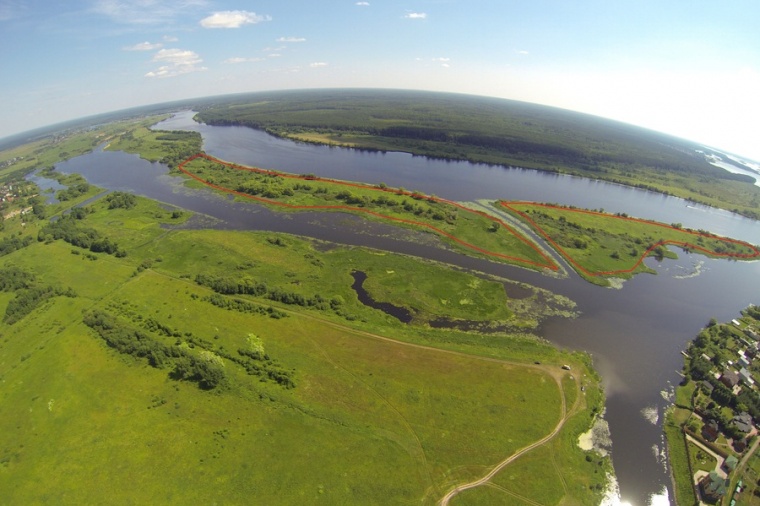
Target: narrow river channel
x=635, y=334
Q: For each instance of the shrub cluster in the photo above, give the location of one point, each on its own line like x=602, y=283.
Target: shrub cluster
x=10, y=244
x=185, y=365
x=29, y=293
x=122, y=200
x=247, y=286
x=69, y=230
x=242, y=306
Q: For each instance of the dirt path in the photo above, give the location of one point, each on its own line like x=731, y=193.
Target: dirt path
x=504, y=463
x=554, y=371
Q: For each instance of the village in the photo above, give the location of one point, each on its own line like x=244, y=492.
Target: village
x=719, y=404
x=11, y=194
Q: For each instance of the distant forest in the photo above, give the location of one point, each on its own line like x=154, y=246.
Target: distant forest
x=495, y=131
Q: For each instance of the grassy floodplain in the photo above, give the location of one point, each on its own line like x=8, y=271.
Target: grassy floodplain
x=493, y=131
x=472, y=231
x=601, y=245
x=376, y=412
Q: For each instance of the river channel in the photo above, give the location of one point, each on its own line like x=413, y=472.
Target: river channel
x=635, y=334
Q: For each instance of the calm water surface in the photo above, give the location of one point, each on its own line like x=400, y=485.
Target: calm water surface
x=635, y=334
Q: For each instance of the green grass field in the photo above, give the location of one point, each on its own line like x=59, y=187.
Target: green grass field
x=380, y=413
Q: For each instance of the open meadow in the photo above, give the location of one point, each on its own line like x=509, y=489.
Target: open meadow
x=238, y=367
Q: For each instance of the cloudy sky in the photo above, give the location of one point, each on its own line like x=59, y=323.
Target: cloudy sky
x=685, y=67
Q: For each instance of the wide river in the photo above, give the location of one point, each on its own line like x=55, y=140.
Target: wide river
x=635, y=334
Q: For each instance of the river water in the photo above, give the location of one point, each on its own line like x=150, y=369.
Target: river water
x=635, y=334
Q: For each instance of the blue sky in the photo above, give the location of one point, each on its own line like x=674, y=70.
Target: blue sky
x=689, y=68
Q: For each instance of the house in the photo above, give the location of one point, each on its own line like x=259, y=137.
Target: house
x=746, y=377
x=743, y=422
x=707, y=387
x=740, y=445
x=713, y=487
x=744, y=361
x=729, y=378
x=730, y=463
x=710, y=430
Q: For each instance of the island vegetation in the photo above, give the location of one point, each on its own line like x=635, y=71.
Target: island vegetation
x=711, y=429
x=601, y=245
x=244, y=363
x=494, y=131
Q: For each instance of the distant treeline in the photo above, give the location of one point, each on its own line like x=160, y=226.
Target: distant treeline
x=495, y=131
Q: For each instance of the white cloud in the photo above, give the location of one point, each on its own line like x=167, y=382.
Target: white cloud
x=170, y=38
x=445, y=65
x=270, y=49
x=145, y=11
x=416, y=15
x=291, y=39
x=242, y=60
x=317, y=64
x=363, y=4
x=274, y=55
x=177, y=62
x=444, y=60
x=522, y=52
x=233, y=19
x=144, y=46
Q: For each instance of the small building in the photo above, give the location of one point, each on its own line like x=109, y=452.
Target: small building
x=710, y=430
x=707, y=387
x=744, y=361
x=729, y=378
x=713, y=487
x=746, y=377
x=730, y=463
x=740, y=445
x=743, y=422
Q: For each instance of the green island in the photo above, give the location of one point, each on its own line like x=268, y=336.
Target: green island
x=494, y=131
x=136, y=347
x=710, y=430
x=600, y=246
x=474, y=232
